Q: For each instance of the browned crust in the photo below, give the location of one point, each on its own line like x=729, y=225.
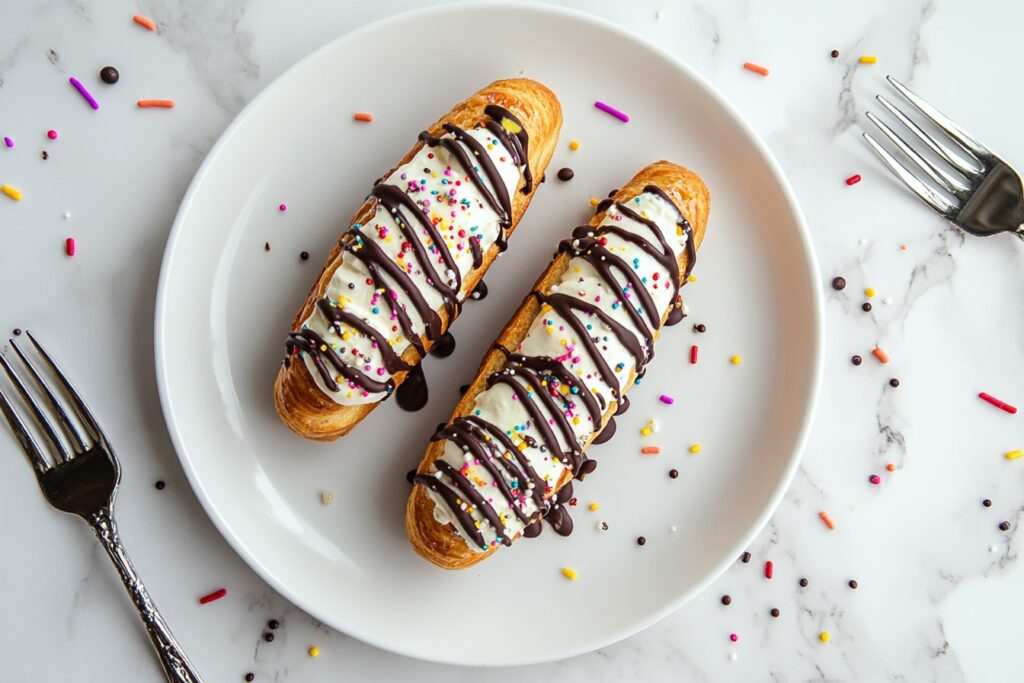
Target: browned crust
x=438, y=543
x=305, y=409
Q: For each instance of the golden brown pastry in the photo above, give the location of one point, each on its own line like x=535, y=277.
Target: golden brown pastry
x=558, y=373
x=414, y=252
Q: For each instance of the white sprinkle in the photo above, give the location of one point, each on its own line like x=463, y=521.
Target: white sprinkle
x=673, y=528
x=887, y=300
x=67, y=215
x=993, y=549
x=326, y=497
x=733, y=656
x=659, y=14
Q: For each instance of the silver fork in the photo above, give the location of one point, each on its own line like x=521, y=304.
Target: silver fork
x=83, y=481
x=982, y=195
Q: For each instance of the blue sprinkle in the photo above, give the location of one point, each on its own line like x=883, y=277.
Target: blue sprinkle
x=376, y=310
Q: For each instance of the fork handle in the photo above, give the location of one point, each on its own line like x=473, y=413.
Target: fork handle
x=176, y=666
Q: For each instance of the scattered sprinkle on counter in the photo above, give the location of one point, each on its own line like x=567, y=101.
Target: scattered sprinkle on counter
x=673, y=474
x=282, y=207
x=1013, y=455
x=11, y=192
x=854, y=179
x=726, y=600
x=745, y=557
x=775, y=612
x=868, y=59
x=733, y=637
x=326, y=497
x=1004, y=526
x=733, y=656
x=250, y=677
x=144, y=22
x=67, y=215
x=69, y=246
x=875, y=479
x=736, y=360
x=594, y=507
x=894, y=382
x=594, y=201
x=160, y=485
x=651, y=450
x=314, y=651
x=214, y=596
x=640, y=540
x=756, y=68
x=363, y=116
x=834, y=54
x=693, y=355
x=839, y=283
x=769, y=569
x=903, y=247
x=9, y=142
x=608, y=109
x=569, y=573
x=890, y=467
x=566, y=174
x=574, y=145
x=109, y=75
x=824, y=636
x=827, y=520
x=997, y=403
x=986, y=503
x=880, y=354
x=666, y=399
x=691, y=278
x=52, y=134
x=853, y=584
x=869, y=292
x=155, y=104
x=696, y=448
x=804, y=582
x=86, y=95
x=866, y=306
x=856, y=360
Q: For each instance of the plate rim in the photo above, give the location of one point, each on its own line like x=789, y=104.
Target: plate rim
x=810, y=260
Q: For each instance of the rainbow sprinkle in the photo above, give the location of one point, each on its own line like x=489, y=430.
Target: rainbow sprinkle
x=608, y=109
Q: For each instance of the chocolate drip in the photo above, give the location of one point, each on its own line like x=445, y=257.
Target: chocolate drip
x=388, y=278
x=412, y=394
x=444, y=346
x=549, y=391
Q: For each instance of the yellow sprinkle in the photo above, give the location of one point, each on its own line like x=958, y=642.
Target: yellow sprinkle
x=691, y=278
x=345, y=336
x=569, y=573
x=594, y=507
x=696, y=448
x=869, y=292
x=1013, y=455
x=576, y=420
x=511, y=126
x=824, y=636
x=736, y=360
x=564, y=389
x=868, y=59
x=314, y=651
x=11, y=192
x=574, y=145
x=326, y=497
x=594, y=201
x=646, y=431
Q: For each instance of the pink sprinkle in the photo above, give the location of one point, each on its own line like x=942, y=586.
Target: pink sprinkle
x=608, y=109
x=9, y=142
x=875, y=479
x=733, y=637
x=215, y=595
x=52, y=134
x=282, y=207
x=666, y=399
x=84, y=93
x=853, y=180
x=69, y=246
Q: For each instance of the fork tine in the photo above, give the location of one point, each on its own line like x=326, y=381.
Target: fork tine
x=952, y=158
x=965, y=139
x=935, y=200
x=62, y=416
x=946, y=180
x=83, y=410
x=36, y=410
x=28, y=443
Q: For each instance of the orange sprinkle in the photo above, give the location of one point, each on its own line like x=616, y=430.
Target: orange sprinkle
x=749, y=66
x=881, y=355
x=891, y=467
x=903, y=247
x=148, y=24
x=166, y=104
x=828, y=520
x=363, y=116
x=650, y=450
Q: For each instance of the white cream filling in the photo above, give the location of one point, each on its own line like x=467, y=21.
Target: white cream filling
x=459, y=211
x=551, y=336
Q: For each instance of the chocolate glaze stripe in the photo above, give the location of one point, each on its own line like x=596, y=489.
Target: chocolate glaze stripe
x=528, y=376
x=396, y=203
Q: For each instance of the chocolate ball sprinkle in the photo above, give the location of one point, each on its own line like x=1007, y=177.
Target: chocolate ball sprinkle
x=641, y=540
x=745, y=557
x=565, y=174
x=775, y=612
x=839, y=283
x=160, y=485
x=866, y=306
x=1004, y=526
x=673, y=473
x=109, y=75
x=273, y=624
x=700, y=327
x=853, y=584
x=804, y=582
x=726, y=600
x=17, y=331
x=894, y=382
x=304, y=255
x=856, y=360
x=250, y=677
x=834, y=53
x=269, y=637
x=987, y=503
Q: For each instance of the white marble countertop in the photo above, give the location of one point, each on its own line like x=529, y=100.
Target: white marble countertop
x=939, y=584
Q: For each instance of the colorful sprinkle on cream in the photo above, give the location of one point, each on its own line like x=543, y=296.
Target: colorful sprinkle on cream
x=11, y=192
x=569, y=573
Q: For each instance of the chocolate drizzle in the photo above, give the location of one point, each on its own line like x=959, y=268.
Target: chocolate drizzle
x=552, y=395
x=425, y=241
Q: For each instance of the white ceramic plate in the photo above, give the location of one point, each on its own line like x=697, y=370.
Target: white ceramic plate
x=224, y=307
